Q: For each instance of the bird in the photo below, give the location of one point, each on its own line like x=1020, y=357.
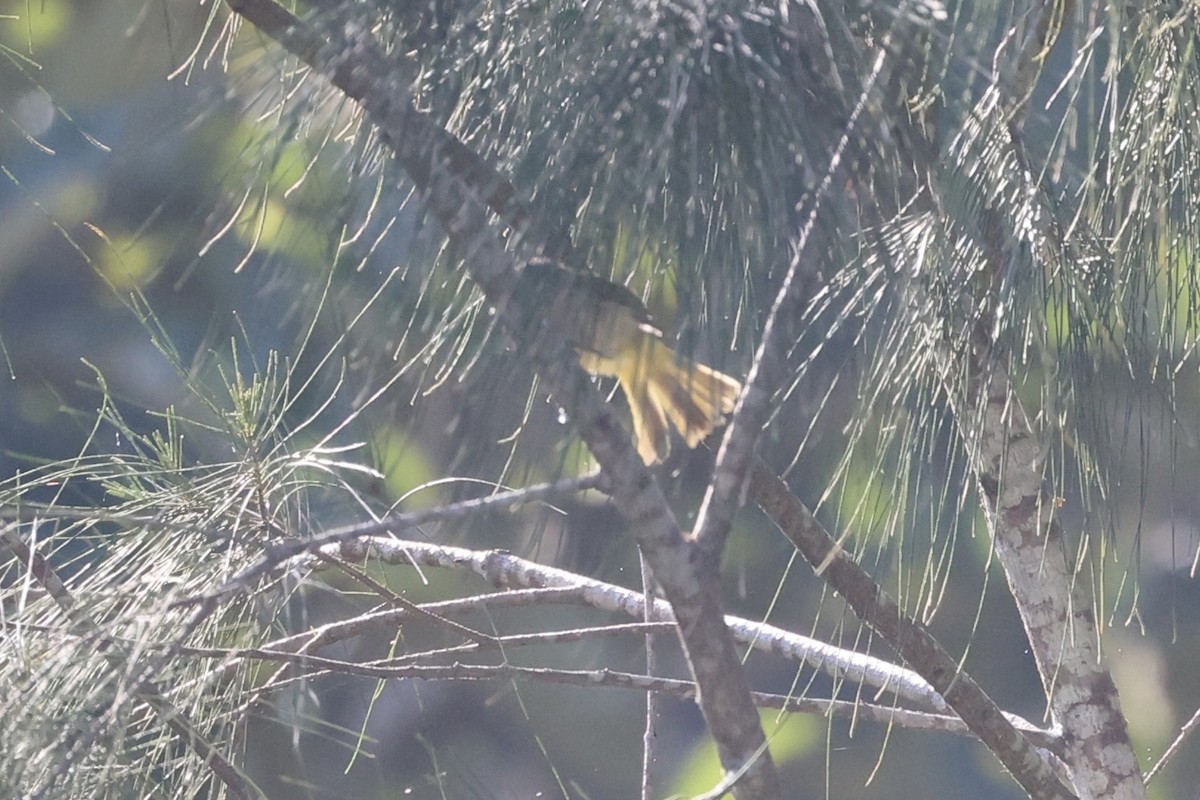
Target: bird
x=613, y=334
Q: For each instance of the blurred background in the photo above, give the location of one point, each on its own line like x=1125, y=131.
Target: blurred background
x=179, y=207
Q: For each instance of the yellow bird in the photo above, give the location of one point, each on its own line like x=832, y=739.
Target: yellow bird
x=613, y=334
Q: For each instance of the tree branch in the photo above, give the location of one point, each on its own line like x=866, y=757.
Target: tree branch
x=1054, y=603
x=909, y=638
x=504, y=570
x=356, y=67
x=735, y=459
x=402, y=669
x=906, y=718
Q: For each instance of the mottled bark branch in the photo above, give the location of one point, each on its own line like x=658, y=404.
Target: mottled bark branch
x=356, y=67
x=1054, y=602
x=1005, y=451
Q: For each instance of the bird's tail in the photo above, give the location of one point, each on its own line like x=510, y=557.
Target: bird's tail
x=661, y=388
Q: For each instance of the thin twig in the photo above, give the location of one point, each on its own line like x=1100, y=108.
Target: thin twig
x=1189, y=727
x=282, y=552
x=334, y=632
x=858, y=710
x=478, y=637
x=735, y=458
x=653, y=699
x=268, y=652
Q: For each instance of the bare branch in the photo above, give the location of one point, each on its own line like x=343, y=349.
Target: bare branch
x=470, y=634
x=281, y=552
x=1187, y=730
x=910, y=639
x=504, y=570
x=735, y=459
x=857, y=710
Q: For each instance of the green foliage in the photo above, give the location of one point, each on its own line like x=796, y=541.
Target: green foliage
x=152, y=529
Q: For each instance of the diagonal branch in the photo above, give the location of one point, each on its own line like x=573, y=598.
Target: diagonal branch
x=910, y=639
x=357, y=68
x=735, y=464
x=735, y=459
